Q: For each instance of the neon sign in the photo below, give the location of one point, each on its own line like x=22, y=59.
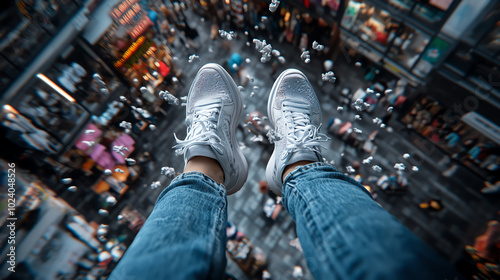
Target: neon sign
x=120, y=9
x=140, y=27
x=130, y=51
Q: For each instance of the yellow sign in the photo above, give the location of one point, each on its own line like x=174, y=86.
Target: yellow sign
x=130, y=51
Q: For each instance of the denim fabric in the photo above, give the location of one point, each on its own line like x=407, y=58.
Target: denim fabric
x=343, y=232
x=185, y=235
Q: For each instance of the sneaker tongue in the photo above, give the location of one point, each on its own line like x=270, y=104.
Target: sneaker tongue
x=200, y=151
x=303, y=155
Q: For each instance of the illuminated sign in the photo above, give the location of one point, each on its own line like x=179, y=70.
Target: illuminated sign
x=130, y=14
x=140, y=27
x=122, y=8
x=130, y=51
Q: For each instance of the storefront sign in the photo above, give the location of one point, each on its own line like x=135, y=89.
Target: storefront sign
x=130, y=14
x=350, y=15
x=391, y=68
x=435, y=50
x=130, y=51
x=140, y=27
x=121, y=9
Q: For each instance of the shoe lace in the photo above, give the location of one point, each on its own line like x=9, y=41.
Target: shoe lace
x=202, y=129
x=303, y=134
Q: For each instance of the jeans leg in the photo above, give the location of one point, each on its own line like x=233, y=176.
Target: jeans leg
x=185, y=235
x=345, y=234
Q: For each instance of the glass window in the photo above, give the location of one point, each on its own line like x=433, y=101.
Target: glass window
x=25, y=43
x=491, y=42
x=460, y=60
x=27, y=27
x=465, y=15
x=51, y=108
x=431, y=11
x=485, y=74
x=373, y=25
x=407, y=46
x=432, y=55
x=401, y=5
x=75, y=72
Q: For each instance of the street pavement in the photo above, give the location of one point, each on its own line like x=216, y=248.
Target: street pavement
x=466, y=209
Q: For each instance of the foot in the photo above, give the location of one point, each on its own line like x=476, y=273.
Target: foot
x=214, y=107
x=295, y=113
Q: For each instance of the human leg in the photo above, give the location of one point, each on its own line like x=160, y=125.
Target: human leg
x=184, y=237
x=344, y=233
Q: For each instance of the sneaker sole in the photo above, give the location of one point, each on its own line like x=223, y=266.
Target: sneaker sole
x=238, y=101
x=272, y=161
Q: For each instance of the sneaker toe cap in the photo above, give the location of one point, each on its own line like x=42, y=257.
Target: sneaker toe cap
x=210, y=80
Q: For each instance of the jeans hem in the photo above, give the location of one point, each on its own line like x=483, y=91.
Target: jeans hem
x=200, y=176
x=327, y=167
x=301, y=169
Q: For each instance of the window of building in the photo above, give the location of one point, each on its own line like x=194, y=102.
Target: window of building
x=407, y=46
x=75, y=74
x=27, y=26
x=24, y=43
x=403, y=6
x=432, y=11
x=485, y=74
x=373, y=25
x=490, y=44
x=464, y=16
x=51, y=108
x=431, y=56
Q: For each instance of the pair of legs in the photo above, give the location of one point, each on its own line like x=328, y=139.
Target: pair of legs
x=343, y=232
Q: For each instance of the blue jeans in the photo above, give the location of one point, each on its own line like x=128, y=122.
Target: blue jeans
x=343, y=232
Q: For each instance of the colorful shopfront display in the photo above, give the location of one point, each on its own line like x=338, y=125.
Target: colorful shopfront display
x=399, y=35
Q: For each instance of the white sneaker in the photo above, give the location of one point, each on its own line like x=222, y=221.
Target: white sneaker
x=294, y=111
x=214, y=107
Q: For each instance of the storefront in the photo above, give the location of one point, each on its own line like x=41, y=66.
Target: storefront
x=489, y=44
x=46, y=242
x=26, y=28
x=469, y=139
x=59, y=101
x=401, y=35
x=86, y=77
x=44, y=117
x=475, y=61
x=130, y=39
